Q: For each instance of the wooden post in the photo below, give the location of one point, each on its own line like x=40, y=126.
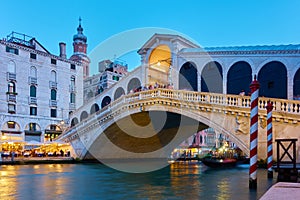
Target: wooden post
x=269, y=139
x=254, y=87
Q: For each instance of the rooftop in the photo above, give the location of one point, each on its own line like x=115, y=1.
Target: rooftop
x=21, y=39
x=289, y=47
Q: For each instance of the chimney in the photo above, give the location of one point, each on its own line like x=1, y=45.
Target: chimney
x=62, y=50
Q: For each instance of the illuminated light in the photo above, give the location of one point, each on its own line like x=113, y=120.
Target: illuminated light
x=158, y=63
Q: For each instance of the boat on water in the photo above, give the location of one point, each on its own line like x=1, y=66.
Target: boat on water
x=219, y=162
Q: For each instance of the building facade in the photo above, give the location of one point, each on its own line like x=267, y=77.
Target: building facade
x=38, y=89
x=110, y=72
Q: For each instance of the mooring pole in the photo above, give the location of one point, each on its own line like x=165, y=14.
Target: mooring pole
x=254, y=87
x=269, y=139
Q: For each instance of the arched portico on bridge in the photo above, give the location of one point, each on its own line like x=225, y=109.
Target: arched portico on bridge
x=273, y=80
x=188, y=77
x=119, y=92
x=296, y=88
x=133, y=84
x=239, y=78
x=212, y=78
x=105, y=101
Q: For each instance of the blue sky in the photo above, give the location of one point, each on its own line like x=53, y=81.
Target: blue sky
x=209, y=22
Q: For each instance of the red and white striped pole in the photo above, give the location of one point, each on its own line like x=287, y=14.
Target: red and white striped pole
x=254, y=87
x=269, y=139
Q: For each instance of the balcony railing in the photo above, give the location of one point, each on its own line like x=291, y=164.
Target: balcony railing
x=53, y=103
x=11, y=76
x=32, y=100
x=72, y=88
x=52, y=84
x=11, y=97
x=72, y=106
x=32, y=80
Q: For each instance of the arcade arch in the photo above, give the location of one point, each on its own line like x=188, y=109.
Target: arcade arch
x=212, y=78
x=188, y=77
x=239, y=78
x=273, y=80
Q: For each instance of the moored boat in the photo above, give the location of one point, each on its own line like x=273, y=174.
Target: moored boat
x=216, y=162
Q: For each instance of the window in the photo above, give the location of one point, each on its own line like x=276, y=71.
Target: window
x=53, y=61
x=33, y=71
x=12, y=50
x=11, y=124
x=32, y=91
x=33, y=110
x=53, y=127
x=73, y=66
x=115, y=78
x=72, y=97
x=73, y=81
x=32, y=55
x=32, y=126
x=53, y=94
x=11, y=87
x=11, y=108
x=53, y=113
x=53, y=76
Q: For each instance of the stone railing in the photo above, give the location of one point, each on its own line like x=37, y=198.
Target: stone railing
x=185, y=97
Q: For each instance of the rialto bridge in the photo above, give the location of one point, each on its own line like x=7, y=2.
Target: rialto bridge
x=199, y=88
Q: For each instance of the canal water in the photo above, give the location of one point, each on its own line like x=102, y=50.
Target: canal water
x=95, y=181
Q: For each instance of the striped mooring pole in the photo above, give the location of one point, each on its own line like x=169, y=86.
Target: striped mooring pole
x=269, y=108
x=254, y=87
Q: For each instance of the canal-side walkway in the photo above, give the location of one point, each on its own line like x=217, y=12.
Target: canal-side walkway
x=36, y=160
x=283, y=190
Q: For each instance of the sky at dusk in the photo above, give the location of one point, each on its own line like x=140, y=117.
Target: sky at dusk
x=210, y=23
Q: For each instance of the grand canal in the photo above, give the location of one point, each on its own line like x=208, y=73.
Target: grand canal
x=95, y=181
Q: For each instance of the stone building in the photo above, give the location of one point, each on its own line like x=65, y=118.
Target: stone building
x=110, y=72
x=39, y=89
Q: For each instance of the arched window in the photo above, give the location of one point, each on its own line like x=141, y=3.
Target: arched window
x=53, y=76
x=53, y=94
x=72, y=97
x=33, y=72
x=11, y=67
x=73, y=81
x=32, y=91
x=11, y=87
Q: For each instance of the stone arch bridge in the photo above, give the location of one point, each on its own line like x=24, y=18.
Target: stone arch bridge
x=150, y=124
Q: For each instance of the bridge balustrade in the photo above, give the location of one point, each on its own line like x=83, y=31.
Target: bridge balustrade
x=185, y=97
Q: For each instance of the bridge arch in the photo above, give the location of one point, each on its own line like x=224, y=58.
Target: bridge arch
x=94, y=108
x=83, y=115
x=74, y=121
x=239, y=78
x=119, y=92
x=133, y=84
x=212, y=77
x=160, y=60
x=296, y=83
x=273, y=80
x=105, y=101
x=188, y=76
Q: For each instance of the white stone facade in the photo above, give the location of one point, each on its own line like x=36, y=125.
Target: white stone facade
x=40, y=82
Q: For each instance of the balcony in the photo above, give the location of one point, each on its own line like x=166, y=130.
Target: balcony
x=52, y=85
x=72, y=88
x=11, y=76
x=32, y=100
x=11, y=97
x=32, y=80
x=53, y=103
x=72, y=106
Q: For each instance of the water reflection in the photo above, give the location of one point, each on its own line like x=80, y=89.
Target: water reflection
x=93, y=181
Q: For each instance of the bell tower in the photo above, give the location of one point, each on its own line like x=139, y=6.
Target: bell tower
x=79, y=50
